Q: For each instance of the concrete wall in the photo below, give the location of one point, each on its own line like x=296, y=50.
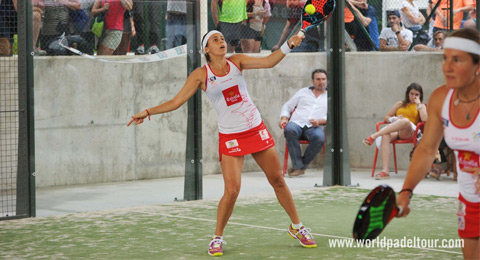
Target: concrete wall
x=82, y=107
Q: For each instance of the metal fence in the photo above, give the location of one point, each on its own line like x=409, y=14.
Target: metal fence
x=118, y=27
x=16, y=138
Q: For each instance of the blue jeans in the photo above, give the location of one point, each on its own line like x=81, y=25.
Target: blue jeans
x=176, y=30
x=293, y=133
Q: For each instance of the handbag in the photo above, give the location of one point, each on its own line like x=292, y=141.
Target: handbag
x=421, y=37
x=97, y=25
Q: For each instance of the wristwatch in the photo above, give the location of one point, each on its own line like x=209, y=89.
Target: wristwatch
x=397, y=32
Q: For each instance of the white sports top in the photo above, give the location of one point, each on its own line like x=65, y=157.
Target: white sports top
x=229, y=95
x=465, y=141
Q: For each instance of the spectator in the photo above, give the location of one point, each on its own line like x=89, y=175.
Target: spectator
x=307, y=111
x=258, y=12
x=472, y=21
x=228, y=17
x=38, y=11
x=395, y=37
x=128, y=32
x=354, y=29
x=152, y=8
x=114, y=15
x=176, y=18
x=442, y=19
x=373, y=26
x=438, y=39
x=311, y=43
x=86, y=33
x=432, y=19
x=56, y=22
x=403, y=118
x=8, y=26
x=412, y=18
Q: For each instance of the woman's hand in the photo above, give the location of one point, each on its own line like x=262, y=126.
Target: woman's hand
x=417, y=101
x=403, y=201
x=295, y=41
x=138, y=118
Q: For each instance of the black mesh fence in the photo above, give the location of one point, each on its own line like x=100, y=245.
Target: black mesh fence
x=8, y=109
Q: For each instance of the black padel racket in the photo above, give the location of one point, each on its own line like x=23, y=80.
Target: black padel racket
x=315, y=12
x=378, y=208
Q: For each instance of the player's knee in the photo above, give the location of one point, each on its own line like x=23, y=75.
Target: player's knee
x=232, y=192
x=277, y=181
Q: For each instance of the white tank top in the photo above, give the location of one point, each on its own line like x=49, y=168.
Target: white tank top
x=229, y=95
x=465, y=141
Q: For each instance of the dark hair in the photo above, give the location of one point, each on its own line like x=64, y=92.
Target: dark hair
x=251, y=3
x=469, y=34
x=439, y=32
x=318, y=71
x=207, y=57
x=416, y=87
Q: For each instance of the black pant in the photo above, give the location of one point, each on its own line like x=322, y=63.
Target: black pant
x=151, y=9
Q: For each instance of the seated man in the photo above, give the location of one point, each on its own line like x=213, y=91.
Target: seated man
x=366, y=16
x=307, y=122
x=395, y=37
x=438, y=39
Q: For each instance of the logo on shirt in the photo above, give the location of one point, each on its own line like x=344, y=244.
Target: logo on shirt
x=231, y=143
x=468, y=159
x=476, y=136
x=445, y=122
x=232, y=95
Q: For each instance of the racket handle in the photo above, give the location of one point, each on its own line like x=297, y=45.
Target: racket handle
x=400, y=210
x=301, y=33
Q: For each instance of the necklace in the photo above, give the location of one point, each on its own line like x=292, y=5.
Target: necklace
x=458, y=100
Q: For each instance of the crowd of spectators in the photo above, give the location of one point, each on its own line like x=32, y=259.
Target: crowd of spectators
x=244, y=24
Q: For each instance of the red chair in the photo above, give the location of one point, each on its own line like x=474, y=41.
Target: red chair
x=412, y=140
x=285, y=158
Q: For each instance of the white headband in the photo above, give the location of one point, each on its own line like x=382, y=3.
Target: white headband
x=205, y=39
x=462, y=44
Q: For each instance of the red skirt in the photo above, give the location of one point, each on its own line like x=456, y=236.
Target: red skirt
x=468, y=218
x=239, y=144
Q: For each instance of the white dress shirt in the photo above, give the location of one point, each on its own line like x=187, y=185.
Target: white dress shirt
x=307, y=106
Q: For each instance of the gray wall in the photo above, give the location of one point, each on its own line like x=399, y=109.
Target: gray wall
x=82, y=107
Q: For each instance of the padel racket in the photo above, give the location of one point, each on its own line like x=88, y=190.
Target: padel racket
x=378, y=208
x=315, y=12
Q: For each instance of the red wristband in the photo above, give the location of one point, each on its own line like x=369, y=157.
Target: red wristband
x=148, y=114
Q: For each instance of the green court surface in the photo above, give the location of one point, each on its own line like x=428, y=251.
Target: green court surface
x=257, y=230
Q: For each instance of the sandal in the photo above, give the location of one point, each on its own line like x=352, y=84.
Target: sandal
x=382, y=175
x=368, y=141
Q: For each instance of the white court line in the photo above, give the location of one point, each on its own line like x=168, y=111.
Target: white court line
x=280, y=229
